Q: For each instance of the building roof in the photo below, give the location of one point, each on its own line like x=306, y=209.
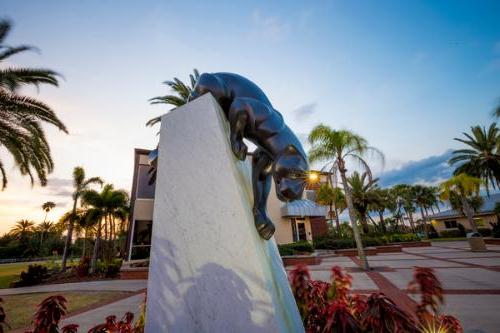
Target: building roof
x=302, y=208
x=487, y=208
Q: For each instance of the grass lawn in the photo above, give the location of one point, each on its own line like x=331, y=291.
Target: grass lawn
x=20, y=308
x=10, y=272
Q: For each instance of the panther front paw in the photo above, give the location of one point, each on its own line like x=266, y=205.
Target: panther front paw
x=239, y=149
x=264, y=226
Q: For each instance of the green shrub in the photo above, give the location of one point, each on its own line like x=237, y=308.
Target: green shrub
x=485, y=232
x=82, y=269
x=295, y=248
x=109, y=269
x=33, y=276
x=371, y=241
x=327, y=243
x=401, y=238
x=450, y=233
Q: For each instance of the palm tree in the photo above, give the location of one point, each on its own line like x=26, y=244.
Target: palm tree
x=180, y=97
x=481, y=159
x=364, y=195
x=47, y=207
x=22, y=229
x=335, y=147
x=465, y=187
x=334, y=198
x=405, y=196
x=496, y=111
x=21, y=132
x=80, y=184
x=43, y=228
x=105, y=206
x=424, y=198
x=80, y=221
x=385, y=200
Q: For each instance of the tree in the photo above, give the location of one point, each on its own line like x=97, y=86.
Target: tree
x=105, y=206
x=385, y=200
x=21, y=117
x=481, y=159
x=44, y=228
x=405, y=197
x=47, y=207
x=22, y=229
x=334, y=198
x=364, y=194
x=424, y=198
x=80, y=184
x=465, y=187
x=496, y=111
x=337, y=147
x=180, y=97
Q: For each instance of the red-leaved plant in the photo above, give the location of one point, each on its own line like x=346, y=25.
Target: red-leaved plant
x=330, y=307
x=2, y=318
x=52, y=309
x=428, y=285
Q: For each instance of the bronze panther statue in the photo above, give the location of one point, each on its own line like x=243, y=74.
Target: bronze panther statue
x=279, y=154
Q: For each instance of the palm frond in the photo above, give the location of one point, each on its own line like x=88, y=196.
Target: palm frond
x=5, y=26
x=10, y=51
x=14, y=78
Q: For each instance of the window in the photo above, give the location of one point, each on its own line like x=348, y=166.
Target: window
x=141, y=242
x=144, y=190
x=450, y=224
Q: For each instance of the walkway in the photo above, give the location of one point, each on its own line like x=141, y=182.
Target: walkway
x=89, y=319
x=471, y=281
x=104, y=285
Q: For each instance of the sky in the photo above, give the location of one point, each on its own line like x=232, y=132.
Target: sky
x=409, y=76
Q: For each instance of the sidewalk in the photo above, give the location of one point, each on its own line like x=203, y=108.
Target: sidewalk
x=105, y=285
x=89, y=319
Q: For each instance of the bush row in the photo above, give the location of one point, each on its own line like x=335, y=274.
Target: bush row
x=295, y=248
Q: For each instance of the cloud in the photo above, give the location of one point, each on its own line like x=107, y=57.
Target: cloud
x=427, y=171
x=59, y=187
x=270, y=27
x=304, y=111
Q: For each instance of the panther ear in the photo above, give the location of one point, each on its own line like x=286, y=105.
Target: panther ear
x=211, y=83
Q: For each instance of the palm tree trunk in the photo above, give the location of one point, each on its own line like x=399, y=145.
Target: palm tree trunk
x=412, y=223
x=424, y=219
x=364, y=224
x=84, y=242
x=382, y=222
x=373, y=221
x=337, y=220
x=468, y=213
x=69, y=235
x=352, y=217
x=93, y=262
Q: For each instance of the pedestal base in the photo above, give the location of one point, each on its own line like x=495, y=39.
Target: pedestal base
x=210, y=271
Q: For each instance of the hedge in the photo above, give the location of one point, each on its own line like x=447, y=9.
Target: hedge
x=295, y=248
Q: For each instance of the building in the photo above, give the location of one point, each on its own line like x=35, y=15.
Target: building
x=484, y=218
x=299, y=220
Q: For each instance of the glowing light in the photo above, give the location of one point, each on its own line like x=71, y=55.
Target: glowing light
x=313, y=177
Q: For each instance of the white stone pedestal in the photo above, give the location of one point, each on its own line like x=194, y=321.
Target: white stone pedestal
x=210, y=271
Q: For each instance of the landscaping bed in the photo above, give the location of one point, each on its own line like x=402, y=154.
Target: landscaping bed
x=20, y=308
